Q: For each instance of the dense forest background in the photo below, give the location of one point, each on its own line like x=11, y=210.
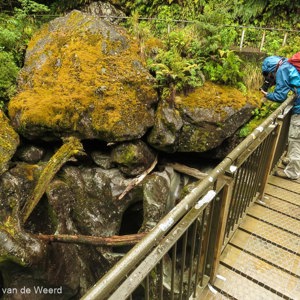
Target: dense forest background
x=183, y=42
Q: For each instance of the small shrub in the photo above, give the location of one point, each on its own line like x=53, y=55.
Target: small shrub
x=8, y=75
x=225, y=69
x=259, y=115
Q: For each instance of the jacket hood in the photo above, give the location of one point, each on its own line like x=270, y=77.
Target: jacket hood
x=269, y=64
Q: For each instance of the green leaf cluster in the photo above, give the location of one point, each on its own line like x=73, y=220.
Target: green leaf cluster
x=173, y=71
x=226, y=69
x=259, y=115
x=15, y=32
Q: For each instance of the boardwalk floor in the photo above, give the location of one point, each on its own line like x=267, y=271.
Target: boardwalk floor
x=262, y=261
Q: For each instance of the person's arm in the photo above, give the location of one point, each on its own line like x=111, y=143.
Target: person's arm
x=282, y=86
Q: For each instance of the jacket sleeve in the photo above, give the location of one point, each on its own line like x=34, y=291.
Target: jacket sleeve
x=282, y=86
x=294, y=78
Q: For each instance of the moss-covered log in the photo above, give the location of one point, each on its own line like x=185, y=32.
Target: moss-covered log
x=71, y=147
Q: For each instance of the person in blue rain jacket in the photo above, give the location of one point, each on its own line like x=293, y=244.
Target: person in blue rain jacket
x=279, y=72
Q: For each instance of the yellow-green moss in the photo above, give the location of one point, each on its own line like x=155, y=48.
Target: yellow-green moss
x=9, y=140
x=216, y=97
x=77, y=65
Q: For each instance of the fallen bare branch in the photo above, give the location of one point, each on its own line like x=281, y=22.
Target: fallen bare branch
x=115, y=240
x=187, y=170
x=138, y=179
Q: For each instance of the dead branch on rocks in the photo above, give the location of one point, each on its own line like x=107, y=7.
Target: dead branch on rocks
x=115, y=240
x=138, y=179
x=187, y=170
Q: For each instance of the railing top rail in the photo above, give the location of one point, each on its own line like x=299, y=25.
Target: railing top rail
x=177, y=21
x=115, y=275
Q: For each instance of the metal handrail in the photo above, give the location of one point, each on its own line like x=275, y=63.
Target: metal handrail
x=108, y=283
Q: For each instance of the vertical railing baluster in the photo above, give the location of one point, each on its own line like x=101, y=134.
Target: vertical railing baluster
x=147, y=288
x=242, y=39
x=161, y=279
x=173, y=271
x=284, y=39
x=262, y=41
x=183, y=257
x=191, y=260
x=198, y=264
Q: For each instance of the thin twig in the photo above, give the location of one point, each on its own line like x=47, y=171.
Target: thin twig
x=138, y=179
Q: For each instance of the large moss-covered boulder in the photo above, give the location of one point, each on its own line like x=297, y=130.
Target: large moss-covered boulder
x=84, y=77
x=9, y=141
x=202, y=120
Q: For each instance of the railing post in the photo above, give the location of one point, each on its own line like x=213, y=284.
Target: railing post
x=242, y=39
x=284, y=39
x=220, y=221
x=271, y=156
x=262, y=41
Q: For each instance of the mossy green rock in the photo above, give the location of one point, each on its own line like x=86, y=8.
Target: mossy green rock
x=133, y=158
x=83, y=77
x=202, y=120
x=9, y=141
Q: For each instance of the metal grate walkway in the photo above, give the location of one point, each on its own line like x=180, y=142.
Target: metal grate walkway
x=262, y=261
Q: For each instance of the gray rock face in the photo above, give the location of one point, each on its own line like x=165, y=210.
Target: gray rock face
x=82, y=199
x=105, y=10
x=201, y=121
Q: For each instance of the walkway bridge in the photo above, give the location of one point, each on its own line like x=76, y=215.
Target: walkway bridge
x=236, y=235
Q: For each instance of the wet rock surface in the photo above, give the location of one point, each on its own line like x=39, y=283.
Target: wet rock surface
x=82, y=199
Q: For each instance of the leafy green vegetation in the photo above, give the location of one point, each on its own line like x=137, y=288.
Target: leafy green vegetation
x=226, y=69
x=259, y=114
x=184, y=42
x=15, y=33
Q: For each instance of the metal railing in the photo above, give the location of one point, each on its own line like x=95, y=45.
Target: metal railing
x=181, y=254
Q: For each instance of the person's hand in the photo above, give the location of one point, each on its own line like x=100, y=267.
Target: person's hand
x=265, y=93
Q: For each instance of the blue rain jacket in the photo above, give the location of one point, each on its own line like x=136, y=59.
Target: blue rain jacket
x=287, y=79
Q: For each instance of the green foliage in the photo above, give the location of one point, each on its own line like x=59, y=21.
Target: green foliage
x=29, y=7
x=15, y=32
x=262, y=13
x=252, y=77
x=225, y=69
x=174, y=71
x=259, y=115
x=292, y=47
x=67, y=5
x=8, y=74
